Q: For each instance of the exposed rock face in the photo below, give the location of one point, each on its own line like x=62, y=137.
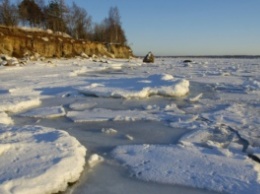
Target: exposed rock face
x=149, y=58
x=20, y=43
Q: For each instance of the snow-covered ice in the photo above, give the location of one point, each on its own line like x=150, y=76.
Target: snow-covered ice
x=35, y=159
x=164, y=85
x=194, y=124
x=217, y=170
x=17, y=104
x=100, y=114
x=242, y=117
x=46, y=112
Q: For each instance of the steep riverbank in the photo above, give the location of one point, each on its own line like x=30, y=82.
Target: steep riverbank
x=19, y=42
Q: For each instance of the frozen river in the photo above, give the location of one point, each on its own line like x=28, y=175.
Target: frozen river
x=167, y=127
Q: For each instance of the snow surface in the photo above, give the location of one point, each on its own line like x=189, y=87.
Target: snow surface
x=35, y=159
x=215, y=102
x=214, y=169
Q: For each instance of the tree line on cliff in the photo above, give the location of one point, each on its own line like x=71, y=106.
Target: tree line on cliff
x=60, y=17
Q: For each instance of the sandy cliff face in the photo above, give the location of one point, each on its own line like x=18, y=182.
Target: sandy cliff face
x=19, y=43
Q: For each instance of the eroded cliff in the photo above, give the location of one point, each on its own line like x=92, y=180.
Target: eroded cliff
x=20, y=42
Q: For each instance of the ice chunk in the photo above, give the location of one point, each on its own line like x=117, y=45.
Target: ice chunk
x=196, y=98
x=95, y=159
x=173, y=107
x=22, y=91
x=46, y=112
x=18, y=104
x=109, y=131
x=163, y=85
x=35, y=159
x=82, y=105
x=5, y=119
x=167, y=77
x=100, y=114
x=129, y=137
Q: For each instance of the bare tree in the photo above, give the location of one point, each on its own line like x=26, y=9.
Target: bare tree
x=99, y=32
x=30, y=12
x=8, y=13
x=114, y=28
x=110, y=30
x=79, y=23
x=114, y=22
x=55, y=15
x=40, y=3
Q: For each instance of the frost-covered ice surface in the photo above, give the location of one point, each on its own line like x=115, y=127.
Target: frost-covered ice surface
x=218, y=170
x=32, y=159
x=167, y=127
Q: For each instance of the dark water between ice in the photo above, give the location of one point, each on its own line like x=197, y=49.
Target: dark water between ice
x=110, y=177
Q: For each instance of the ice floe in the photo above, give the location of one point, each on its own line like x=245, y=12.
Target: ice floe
x=243, y=118
x=35, y=159
x=193, y=166
x=100, y=115
x=46, y=112
x=18, y=104
x=78, y=106
x=163, y=85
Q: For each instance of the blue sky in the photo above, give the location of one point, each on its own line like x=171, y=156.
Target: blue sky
x=185, y=27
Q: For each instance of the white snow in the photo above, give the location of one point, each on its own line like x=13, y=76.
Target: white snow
x=35, y=159
x=215, y=102
x=217, y=170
